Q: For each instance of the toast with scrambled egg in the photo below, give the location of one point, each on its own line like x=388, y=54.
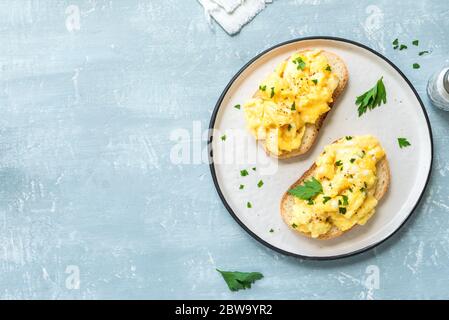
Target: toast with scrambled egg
x=342, y=189
x=288, y=109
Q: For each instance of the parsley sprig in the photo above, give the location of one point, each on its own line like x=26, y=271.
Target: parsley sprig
x=240, y=280
x=373, y=98
x=308, y=190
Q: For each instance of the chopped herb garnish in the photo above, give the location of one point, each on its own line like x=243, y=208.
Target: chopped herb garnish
x=403, y=142
x=362, y=189
x=315, y=81
x=423, y=53
x=348, y=137
x=308, y=190
x=294, y=225
x=263, y=88
x=271, y=230
x=249, y=205
x=289, y=127
x=345, y=200
x=342, y=210
x=241, y=186
x=223, y=137
x=352, y=160
x=237, y=106
x=244, y=173
x=415, y=42
x=254, y=168
x=272, y=92
x=328, y=68
x=240, y=280
x=300, y=64
x=338, y=163
x=372, y=98
x=310, y=202
x=326, y=199
x=402, y=47
x=395, y=42
x=416, y=66
x=293, y=106
x=260, y=184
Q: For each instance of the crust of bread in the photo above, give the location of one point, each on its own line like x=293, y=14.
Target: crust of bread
x=287, y=201
x=311, y=131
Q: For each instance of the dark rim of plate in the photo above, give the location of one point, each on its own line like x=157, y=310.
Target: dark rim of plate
x=212, y=167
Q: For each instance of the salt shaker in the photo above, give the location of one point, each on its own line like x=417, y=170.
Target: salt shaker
x=438, y=89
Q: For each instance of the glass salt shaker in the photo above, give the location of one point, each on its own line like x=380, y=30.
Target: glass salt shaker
x=438, y=89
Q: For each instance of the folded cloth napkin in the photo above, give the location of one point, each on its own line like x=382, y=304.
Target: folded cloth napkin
x=232, y=22
x=228, y=5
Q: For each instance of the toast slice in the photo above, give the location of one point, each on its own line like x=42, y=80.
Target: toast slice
x=288, y=201
x=311, y=130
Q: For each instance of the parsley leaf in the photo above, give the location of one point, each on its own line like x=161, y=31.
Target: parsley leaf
x=348, y=137
x=237, y=106
x=241, y=186
x=345, y=200
x=223, y=137
x=395, y=42
x=300, y=63
x=415, y=42
x=338, y=163
x=402, y=47
x=244, y=173
x=308, y=190
x=260, y=184
x=272, y=92
x=249, y=205
x=294, y=225
x=328, y=68
x=342, y=210
x=372, y=98
x=263, y=88
x=403, y=142
x=240, y=280
x=315, y=81
x=352, y=160
x=423, y=53
x=271, y=230
x=293, y=108
x=326, y=199
x=416, y=66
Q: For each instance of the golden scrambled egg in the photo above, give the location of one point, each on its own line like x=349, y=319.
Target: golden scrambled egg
x=347, y=173
x=298, y=92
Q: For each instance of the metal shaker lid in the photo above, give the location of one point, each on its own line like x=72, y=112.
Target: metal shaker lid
x=446, y=81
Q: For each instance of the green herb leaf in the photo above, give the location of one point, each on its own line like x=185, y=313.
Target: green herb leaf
x=403, y=142
x=328, y=68
x=423, y=53
x=300, y=64
x=223, y=137
x=326, y=199
x=241, y=186
x=260, y=184
x=263, y=88
x=308, y=190
x=415, y=42
x=293, y=106
x=244, y=173
x=395, y=42
x=237, y=106
x=345, y=200
x=315, y=81
x=289, y=127
x=348, y=137
x=249, y=205
x=402, y=47
x=294, y=225
x=372, y=98
x=352, y=160
x=342, y=210
x=254, y=168
x=338, y=163
x=271, y=230
x=272, y=92
x=240, y=280
x=416, y=66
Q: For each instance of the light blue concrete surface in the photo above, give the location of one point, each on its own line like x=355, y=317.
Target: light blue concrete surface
x=86, y=181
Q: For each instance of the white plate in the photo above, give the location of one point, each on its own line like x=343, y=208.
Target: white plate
x=402, y=116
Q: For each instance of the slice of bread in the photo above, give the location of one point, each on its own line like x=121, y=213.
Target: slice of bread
x=288, y=201
x=311, y=132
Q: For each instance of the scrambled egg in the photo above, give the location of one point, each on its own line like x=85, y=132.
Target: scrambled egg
x=297, y=93
x=347, y=173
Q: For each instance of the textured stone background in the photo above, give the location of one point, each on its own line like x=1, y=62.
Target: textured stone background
x=86, y=181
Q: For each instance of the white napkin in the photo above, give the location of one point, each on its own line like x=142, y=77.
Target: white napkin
x=232, y=22
x=229, y=5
